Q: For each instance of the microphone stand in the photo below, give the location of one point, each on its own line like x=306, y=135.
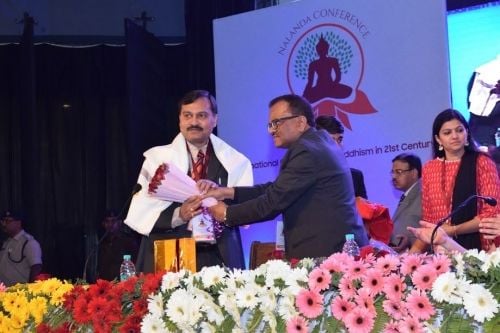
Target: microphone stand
x=136, y=188
x=488, y=200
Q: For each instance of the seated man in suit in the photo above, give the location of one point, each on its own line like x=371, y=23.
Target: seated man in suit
x=201, y=154
x=336, y=130
x=406, y=173
x=313, y=189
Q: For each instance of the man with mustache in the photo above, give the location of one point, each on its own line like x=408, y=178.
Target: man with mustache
x=313, y=189
x=406, y=173
x=200, y=154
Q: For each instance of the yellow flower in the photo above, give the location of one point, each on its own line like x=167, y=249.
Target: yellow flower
x=37, y=307
x=57, y=296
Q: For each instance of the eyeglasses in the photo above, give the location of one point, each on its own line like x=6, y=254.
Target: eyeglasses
x=275, y=123
x=398, y=172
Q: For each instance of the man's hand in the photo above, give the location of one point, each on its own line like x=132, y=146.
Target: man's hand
x=424, y=233
x=218, y=211
x=220, y=193
x=204, y=185
x=402, y=243
x=490, y=227
x=190, y=208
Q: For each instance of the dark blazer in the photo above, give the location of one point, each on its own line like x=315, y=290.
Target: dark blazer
x=408, y=213
x=359, y=183
x=313, y=191
x=229, y=242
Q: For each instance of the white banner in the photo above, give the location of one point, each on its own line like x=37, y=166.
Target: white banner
x=390, y=60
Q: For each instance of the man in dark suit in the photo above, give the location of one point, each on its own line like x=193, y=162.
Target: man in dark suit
x=200, y=154
x=313, y=190
x=336, y=130
x=406, y=173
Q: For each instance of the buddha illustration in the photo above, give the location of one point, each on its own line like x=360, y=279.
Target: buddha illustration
x=322, y=69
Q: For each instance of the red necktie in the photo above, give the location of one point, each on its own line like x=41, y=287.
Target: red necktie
x=198, y=166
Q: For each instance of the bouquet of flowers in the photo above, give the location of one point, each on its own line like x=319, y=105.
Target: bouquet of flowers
x=106, y=306
x=171, y=184
x=24, y=306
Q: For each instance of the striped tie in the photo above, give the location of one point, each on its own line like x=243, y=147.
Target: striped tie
x=198, y=166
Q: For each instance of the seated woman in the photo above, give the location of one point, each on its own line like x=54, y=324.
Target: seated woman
x=489, y=227
x=458, y=172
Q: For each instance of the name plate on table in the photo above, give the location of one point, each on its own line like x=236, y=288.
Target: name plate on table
x=172, y=255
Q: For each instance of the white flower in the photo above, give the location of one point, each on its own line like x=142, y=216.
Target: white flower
x=460, y=263
x=444, y=289
x=207, y=328
x=267, y=300
x=151, y=323
x=183, y=309
x=210, y=276
x=247, y=297
x=286, y=307
x=171, y=280
x=491, y=260
x=275, y=270
x=307, y=263
x=480, y=303
x=155, y=304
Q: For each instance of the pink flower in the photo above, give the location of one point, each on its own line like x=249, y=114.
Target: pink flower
x=419, y=306
x=296, y=325
x=410, y=263
x=359, y=321
x=373, y=281
x=391, y=327
x=309, y=303
x=332, y=264
x=441, y=263
x=394, y=286
x=355, y=269
x=319, y=279
x=346, y=287
x=394, y=308
x=424, y=277
x=341, y=307
x=2, y=287
x=410, y=325
x=387, y=264
x=365, y=300
x=341, y=258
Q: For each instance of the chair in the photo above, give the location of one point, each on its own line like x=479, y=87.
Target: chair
x=262, y=252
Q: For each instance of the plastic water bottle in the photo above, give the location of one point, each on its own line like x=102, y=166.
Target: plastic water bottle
x=497, y=137
x=127, y=268
x=350, y=246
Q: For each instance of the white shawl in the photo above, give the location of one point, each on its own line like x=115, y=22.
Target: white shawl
x=144, y=210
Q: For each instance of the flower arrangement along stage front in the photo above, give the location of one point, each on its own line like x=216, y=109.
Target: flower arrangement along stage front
x=407, y=293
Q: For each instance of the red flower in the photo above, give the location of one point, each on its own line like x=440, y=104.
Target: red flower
x=140, y=306
x=80, y=313
x=100, y=288
x=97, y=308
x=151, y=283
x=72, y=296
x=132, y=324
x=366, y=250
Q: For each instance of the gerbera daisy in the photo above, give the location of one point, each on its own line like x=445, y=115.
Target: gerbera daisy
x=151, y=323
x=394, y=286
x=355, y=269
x=480, y=303
x=419, y=306
x=424, y=277
x=332, y=265
x=341, y=307
x=387, y=264
x=365, y=300
x=296, y=325
x=359, y=321
x=444, y=289
x=410, y=263
x=394, y=308
x=410, y=325
x=309, y=303
x=373, y=281
x=441, y=263
x=319, y=279
x=391, y=327
x=346, y=287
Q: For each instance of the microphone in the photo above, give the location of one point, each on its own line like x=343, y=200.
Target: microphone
x=489, y=200
x=135, y=189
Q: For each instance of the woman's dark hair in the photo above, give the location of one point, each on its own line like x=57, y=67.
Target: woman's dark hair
x=441, y=118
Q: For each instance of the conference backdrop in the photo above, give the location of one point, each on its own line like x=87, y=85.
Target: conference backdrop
x=392, y=61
